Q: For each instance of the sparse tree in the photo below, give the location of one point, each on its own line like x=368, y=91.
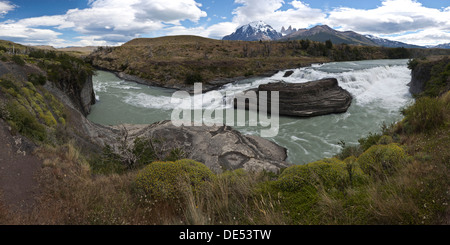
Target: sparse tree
x=329, y=44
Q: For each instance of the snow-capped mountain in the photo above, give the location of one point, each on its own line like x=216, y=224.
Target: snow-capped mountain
x=443, y=46
x=389, y=43
x=254, y=31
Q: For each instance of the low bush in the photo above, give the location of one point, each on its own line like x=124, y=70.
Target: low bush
x=106, y=163
x=37, y=79
x=194, y=78
x=18, y=60
x=328, y=173
x=380, y=161
x=22, y=121
x=349, y=151
x=424, y=115
x=167, y=180
x=9, y=85
x=369, y=141
x=385, y=140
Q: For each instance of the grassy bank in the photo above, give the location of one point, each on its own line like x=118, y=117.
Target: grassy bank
x=402, y=178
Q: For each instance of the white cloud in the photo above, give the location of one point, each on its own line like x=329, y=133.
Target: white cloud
x=23, y=34
x=392, y=17
x=431, y=36
x=300, y=15
x=109, y=21
x=5, y=7
x=217, y=31
x=112, y=22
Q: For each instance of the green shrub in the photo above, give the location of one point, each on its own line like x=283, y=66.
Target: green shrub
x=301, y=189
x=329, y=173
x=25, y=123
x=439, y=82
x=105, y=163
x=49, y=119
x=235, y=175
x=424, y=115
x=167, y=180
x=349, y=151
x=144, y=151
x=412, y=64
x=8, y=84
x=369, y=141
x=385, y=140
x=350, y=159
x=4, y=113
x=382, y=160
x=18, y=60
x=194, y=78
x=37, y=79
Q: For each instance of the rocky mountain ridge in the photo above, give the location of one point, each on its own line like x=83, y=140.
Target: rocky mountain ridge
x=321, y=33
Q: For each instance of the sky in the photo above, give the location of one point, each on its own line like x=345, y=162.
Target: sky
x=66, y=23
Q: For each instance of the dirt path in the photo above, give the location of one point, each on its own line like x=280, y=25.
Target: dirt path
x=17, y=169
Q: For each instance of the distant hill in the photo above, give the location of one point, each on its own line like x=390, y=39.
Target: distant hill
x=443, y=46
x=44, y=47
x=254, y=31
x=170, y=40
x=391, y=44
x=77, y=51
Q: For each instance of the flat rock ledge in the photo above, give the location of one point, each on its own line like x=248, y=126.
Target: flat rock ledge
x=219, y=148
x=315, y=98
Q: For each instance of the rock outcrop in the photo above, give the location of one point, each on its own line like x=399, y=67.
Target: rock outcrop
x=87, y=96
x=422, y=73
x=309, y=99
x=83, y=97
x=288, y=73
x=219, y=148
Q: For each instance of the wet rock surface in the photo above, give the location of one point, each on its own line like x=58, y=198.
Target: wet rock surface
x=315, y=98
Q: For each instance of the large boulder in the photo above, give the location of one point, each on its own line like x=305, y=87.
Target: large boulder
x=309, y=99
x=219, y=148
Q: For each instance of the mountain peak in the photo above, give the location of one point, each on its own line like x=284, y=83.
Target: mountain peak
x=322, y=28
x=288, y=31
x=256, y=25
x=254, y=31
